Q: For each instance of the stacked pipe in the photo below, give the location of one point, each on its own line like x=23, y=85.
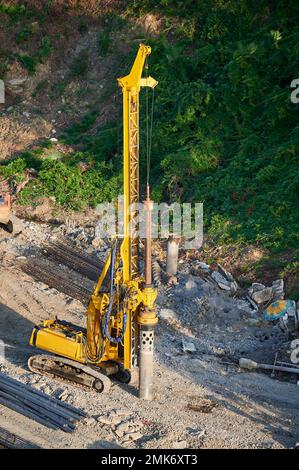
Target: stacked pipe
x=38, y=406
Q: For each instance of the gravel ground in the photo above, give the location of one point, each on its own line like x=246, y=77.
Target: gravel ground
x=202, y=399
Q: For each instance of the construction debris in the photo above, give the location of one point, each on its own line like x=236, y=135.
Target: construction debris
x=188, y=346
x=220, y=276
x=261, y=294
x=280, y=308
x=37, y=405
x=222, y=327
x=245, y=363
x=125, y=427
x=289, y=322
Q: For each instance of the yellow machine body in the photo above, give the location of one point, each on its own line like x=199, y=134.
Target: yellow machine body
x=90, y=346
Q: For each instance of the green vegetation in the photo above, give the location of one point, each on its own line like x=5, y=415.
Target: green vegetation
x=45, y=48
x=225, y=131
x=79, y=66
x=28, y=62
x=104, y=42
x=14, y=12
x=76, y=180
x=40, y=87
x=108, y=23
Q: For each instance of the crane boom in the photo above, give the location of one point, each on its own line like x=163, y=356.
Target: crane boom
x=131, y=85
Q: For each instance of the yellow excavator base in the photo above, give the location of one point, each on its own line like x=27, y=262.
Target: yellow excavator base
x=67, y=341
x=57, y=342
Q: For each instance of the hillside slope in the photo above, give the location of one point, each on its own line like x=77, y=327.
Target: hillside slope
x=225, y=130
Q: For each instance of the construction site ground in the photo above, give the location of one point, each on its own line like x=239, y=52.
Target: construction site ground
x=202, y=399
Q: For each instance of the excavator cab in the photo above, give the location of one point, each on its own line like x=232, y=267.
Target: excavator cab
x=5, y=216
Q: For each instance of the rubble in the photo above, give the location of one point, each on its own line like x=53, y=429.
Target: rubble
x=196, y=432
x=89, y=421
x=221, y=281
x=220, y=327
x=220, y=275
x=278, y=289
x=188, y=346
x=261, y=294
x=167, y=314
x=199, y=268
x=132, y=436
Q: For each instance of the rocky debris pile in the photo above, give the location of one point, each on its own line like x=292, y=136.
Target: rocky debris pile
x=125, y=427
x=289, y=321
x=16, y=85
x=194, y=299
x=218, y=274
x=224, y=280
x=215, y=322
x=260, y=294
x=86, y=238
x=271, y=301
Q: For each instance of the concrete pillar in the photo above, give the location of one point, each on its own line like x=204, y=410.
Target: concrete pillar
x=172, y=255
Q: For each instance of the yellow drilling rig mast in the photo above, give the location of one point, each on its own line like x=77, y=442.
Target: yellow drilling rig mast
x=120, y=320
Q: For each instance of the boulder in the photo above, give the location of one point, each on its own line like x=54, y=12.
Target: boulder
x=262, y=296
x=188, y=346
x=278, y=289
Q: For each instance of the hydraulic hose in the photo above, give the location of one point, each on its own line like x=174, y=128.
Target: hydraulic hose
x=106, y=332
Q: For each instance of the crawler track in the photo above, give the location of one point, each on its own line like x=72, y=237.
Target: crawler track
x=69, y=371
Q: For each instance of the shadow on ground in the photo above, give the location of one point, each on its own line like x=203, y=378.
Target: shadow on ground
x=272, y=403
x=15, y=332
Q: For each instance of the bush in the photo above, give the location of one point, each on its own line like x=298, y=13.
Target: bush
x=29, y=63
x=79, y=66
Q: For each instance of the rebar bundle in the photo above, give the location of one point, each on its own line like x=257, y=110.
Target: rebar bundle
x=38, y=406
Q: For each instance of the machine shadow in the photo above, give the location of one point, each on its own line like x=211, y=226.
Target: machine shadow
x=250, y=395
x=15, y=332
